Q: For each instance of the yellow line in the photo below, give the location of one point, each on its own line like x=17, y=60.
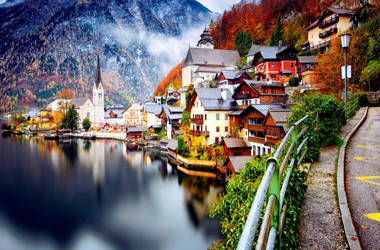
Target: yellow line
x=372, y=132
x=366, y=179
x=375, y=216
x=365, y=138
x=364, y=158
x=375, y=148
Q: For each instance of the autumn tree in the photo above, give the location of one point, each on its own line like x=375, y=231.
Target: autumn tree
x=277, y=34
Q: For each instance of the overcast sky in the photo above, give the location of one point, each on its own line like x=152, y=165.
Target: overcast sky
x=214, y=5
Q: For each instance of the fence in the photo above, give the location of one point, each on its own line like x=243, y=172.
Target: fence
x=352, y=106
x=270, y=188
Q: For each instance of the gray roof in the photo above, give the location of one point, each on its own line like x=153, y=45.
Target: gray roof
x=176, y=110
x=236, y=113
x=230, y=74
x=209, y=69
x=136, y=129
x=78, y=102
x=138, y=106
x=280, y=117
x=172, y=145
x=117, y=111
x=307, y=59
x=236, y=142
x=212, y=99
x=178, y=132
x=286, y=71
x=253, y=50
x=270, y=52
x=216, y=57
x=154, y=108
x=165, y=141
x=264, y=108
x=238, y=162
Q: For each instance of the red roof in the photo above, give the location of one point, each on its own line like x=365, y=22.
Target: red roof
x=312, y=25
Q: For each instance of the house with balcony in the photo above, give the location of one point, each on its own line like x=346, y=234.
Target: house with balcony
x=332, y=22
x=253, y=127
x=305, y=68
x=46, y=119
x=236, y=147
x=133, y=115
x=209, y=109
x=275, y=63
x=171, y=120
x=275, y=125
x=151, y=114
x=256, y=92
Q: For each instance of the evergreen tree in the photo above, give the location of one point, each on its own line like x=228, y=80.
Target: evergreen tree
x=86, y=123
x=243, y=42
x=70, y=119
x=277, y=34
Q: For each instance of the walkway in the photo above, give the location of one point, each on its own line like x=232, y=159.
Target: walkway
x=320, y=226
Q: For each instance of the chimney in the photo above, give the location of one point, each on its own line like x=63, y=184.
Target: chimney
x=224, y=92
x=280, y=44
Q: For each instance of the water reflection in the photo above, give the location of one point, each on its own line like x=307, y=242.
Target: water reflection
x=76, y=194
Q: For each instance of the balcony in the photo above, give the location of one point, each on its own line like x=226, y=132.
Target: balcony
x=328, y=32
x=256, y=139
x=259, y=72
x=199, y=133
x=329, y=22
x=243, y=96
x=319, y=46
x=198, y=121
x=256, y=127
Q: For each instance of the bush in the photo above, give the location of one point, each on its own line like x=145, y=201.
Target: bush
x=86, y=123
x=294, y=81
x=363, y=98
x=331, y=119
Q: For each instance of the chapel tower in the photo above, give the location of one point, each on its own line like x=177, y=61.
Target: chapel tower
x=98, y=96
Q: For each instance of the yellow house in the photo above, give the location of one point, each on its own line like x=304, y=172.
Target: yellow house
x=46, y=119
x=209, y=108
x=332, y=22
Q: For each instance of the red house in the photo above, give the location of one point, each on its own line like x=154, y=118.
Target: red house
x=275, y=62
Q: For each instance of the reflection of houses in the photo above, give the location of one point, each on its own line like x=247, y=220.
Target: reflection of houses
x=254, y=92
x=236, y=163
x=236, y=147
x=113, y=115
x=133, y=114
x=275, y=126
x=275, y=63
x=305, y=68
x=171, y=118
x=204, y=63
x=209, y=113
x=332, y=22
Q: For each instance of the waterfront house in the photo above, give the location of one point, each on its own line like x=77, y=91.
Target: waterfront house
x=135, y=133
x=236, y=147
x=332, y=22
x=46, y=119
x=236, y=163
x=209, y=108
x=275, y=63
x=133, y=114
x=85, y=108
x=171, y=119
x=33, y=114
x=113, y=115
x=151, y=114
x=256, y=92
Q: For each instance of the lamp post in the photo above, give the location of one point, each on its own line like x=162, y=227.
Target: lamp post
x=345, y=39
x=369, y=84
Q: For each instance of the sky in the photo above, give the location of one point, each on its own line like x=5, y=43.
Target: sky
x=217, y=6
x=214, y=5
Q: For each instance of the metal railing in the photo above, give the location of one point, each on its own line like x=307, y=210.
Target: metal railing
x=352, y=106
x=271, y=190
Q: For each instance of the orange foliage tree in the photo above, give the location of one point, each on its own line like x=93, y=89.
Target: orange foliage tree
x=174, y=77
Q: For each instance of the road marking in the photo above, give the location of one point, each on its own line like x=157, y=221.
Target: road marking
x=365, y=138
x=366, y=159
x=375, y=216
x=372, y=132
x=366, y=179
x=375, y=148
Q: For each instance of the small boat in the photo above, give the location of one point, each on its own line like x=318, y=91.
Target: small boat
x=19, y=132
x=49, y=136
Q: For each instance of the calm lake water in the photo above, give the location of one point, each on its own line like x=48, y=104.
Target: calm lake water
x=100, y=195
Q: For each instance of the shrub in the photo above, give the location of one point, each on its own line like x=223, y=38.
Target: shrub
x=363, y=98
x=294, y=81
x=86, y=123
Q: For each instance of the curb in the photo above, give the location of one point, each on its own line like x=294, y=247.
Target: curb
x=349, y=229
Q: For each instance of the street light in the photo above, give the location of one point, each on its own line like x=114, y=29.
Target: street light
x=369, y=84
x=345, y=39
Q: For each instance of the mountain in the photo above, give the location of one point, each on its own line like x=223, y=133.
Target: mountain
x=47, y=46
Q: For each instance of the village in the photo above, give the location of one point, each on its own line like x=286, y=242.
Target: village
x=223, y=115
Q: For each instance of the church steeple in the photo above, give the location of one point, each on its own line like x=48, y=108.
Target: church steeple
x=206, y=40
x=98, y=77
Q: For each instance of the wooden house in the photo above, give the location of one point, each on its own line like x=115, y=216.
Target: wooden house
x=135, y=133
x=236, y=147
x=236, y=163
x=275, y=125
x=305, y=68
x=254, y=92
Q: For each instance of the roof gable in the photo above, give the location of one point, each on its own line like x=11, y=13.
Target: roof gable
x=215, y=57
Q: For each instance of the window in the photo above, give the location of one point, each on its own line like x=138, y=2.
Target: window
x=292, y=65
x=325, y=40
x=237, y=154
x=226, y=129
x=252, y=133
x=217, y=129
x=225, y=116
x=249, y=102
x=205, y=127
x=319, y=41
x=263, y=77
x=312, y=36
x=336, y=26
x=273, y=75
x=88, y=115
x=196, y=104
x=272, y=66
x=217, y=116
x=100, y=95
x=258, y=78
x=259, y=150
x=251, y=121
x=206, y=117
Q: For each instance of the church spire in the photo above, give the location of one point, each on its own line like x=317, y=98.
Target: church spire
x=98, y=77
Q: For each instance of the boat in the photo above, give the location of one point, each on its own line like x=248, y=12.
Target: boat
x=49, y=136
x=19, y=132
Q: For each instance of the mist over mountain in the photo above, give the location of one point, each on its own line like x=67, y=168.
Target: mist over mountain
x=51, y=45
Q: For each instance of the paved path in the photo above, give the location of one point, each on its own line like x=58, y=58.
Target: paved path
x=320, y=226
x=363, y=180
